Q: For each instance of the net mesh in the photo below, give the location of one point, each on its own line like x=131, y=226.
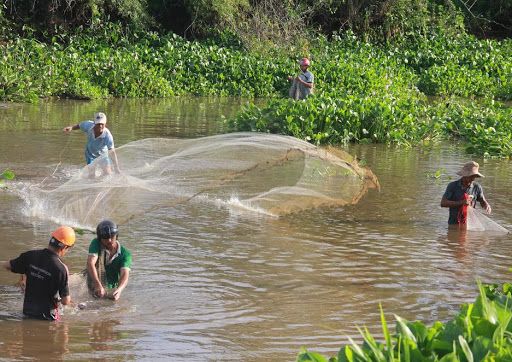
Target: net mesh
x=476, y=221
x=269, y=174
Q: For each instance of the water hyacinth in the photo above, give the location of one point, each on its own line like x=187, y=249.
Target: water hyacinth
x=481, y=331
x=365, y=92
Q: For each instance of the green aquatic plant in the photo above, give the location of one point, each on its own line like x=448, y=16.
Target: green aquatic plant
x=6, y=175
x=107, y=61
x=79, y=231
x=365, y=92
x=481, y=331
x=436, y=174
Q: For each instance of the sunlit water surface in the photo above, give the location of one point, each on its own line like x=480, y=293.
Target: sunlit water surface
x=213, y=283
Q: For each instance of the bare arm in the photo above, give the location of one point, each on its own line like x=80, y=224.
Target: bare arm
x=66, y=300
x=123, y=282
x=71, y=128
x=7, y=265
x=306, y=84
x=485, y=205
x=99, y=290
x=449, y=203
x=21, y=283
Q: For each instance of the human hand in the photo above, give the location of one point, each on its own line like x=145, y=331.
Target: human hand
x=488, y=208
x=99, y=291
x=21, y=283
x=67, y=129
x=117, y=294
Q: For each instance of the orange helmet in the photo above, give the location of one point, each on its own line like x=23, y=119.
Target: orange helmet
x=65, y=235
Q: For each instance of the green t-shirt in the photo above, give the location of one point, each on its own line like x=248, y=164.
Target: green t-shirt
x=122, y=259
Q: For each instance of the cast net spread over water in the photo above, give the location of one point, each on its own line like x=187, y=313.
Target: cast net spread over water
x=263, y=173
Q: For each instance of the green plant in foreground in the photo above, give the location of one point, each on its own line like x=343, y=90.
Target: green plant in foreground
x=482, y=331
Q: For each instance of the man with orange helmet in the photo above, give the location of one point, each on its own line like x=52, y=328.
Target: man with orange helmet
x=46, y=275
x=302, y=84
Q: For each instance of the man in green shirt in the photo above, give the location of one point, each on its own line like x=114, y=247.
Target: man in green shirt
x=108, y=263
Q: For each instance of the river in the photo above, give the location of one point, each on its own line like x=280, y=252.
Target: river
x=211, y=284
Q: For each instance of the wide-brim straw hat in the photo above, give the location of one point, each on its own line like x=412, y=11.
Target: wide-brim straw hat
x=470, y=169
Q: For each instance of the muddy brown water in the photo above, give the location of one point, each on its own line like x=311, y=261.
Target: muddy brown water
x=209, y=284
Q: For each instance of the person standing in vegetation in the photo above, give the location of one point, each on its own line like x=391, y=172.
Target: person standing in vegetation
x=302, y=84
x=46, y=276
x=464, y=193
x=99, y=142
x=108, y=263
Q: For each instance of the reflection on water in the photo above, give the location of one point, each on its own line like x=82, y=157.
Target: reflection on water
x=102, y=335
x=214, y=283
x=28, y=339
x=39, y=340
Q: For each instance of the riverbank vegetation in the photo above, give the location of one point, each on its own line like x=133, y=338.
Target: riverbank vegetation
x=403, y=72
x=481, y=331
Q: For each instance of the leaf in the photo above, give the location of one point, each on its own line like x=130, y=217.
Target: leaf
x=465, y=348
x=372, y=344
x=488, y=308
x=358, y=351
x=385, y=331
x=452, y=356
x=8, y=175
x=345, y=354
x=304, y=356
x=404, y=330
x=441, y=346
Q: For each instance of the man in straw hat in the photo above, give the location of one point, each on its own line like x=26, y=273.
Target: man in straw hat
x=464, y=193
x=99, y=143
x=46, y=276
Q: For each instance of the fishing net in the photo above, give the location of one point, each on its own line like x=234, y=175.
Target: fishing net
x=476, y=221
x=298, y=90
x=100, y=269
x=269, y=174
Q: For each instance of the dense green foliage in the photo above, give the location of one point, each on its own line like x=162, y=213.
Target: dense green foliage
x=262, y=20
x=481, y=331
x=369, y=93
x=106, y=62
x=365, y=92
